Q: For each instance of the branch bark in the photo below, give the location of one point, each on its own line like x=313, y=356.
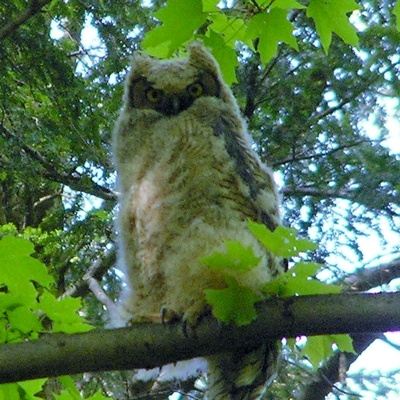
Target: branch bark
x=368, y=278
x=149, y=345
x=74, y=180
x=34, y=7
x=96, y=271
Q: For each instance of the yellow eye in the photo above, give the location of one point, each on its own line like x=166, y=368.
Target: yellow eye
x=195, y=90
x=154, y=95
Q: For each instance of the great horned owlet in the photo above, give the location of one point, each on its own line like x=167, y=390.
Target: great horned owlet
x=188, y=178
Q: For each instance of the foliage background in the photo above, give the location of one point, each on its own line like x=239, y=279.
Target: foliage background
x=319, y=119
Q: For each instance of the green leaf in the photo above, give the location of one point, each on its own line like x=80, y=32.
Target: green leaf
x=319, y=348
x=344, y=343
x=24, y=320
x=231, y=29
x=210, y=6
x=180, y=19
x=32, y=387
x=331, y=16
x=97, y=396
x=9, y=391
x=237, y=258
x=271, y=28
x=18, y=269
x=396, y=12
x=233, y=304
x=282, y=241
x=285, y=4
x=225, y=55
x=63, y=313
x=71, y=391
x=299, y=280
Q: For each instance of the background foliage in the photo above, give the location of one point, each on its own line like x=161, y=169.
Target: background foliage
x=325, y=121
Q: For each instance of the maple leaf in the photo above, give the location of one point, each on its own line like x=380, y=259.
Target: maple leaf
x=331, y=16
x=180, y=18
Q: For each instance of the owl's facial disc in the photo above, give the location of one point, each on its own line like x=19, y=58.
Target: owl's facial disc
x=143, y=95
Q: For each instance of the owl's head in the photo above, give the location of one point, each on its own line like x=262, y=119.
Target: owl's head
x=172, y=86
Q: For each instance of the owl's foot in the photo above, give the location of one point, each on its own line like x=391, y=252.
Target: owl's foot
x=142, y=319
x=169, y=316
x=189, y=318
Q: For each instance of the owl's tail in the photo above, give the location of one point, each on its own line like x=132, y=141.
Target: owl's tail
x=241, y=375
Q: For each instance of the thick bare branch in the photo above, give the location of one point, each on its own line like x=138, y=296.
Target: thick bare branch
x=148, y=345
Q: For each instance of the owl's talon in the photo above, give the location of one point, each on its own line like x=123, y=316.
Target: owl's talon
x=169, y=316
x=188, y=329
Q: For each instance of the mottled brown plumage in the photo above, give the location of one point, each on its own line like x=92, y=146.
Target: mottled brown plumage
x=188, y=179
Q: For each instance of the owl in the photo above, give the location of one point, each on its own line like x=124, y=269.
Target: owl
x=188, y=179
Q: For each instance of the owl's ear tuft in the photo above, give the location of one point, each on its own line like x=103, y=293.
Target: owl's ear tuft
x=202, y=58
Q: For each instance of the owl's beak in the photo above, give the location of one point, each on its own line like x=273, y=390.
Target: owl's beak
x=175, y=104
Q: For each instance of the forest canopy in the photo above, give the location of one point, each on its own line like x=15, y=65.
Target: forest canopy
x=318, y=83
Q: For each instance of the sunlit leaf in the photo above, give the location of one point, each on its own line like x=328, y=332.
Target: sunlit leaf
x=282, y=241
x=180, y=19
x=64, y=313
x=225, y=55
x=396, y=12
x=210, y=6
x=231, y=29
x=233, y=304
x=331, y=16
x=287, y=4
x=319, y=348
x=31, y=387
x=237, y=258
x=271, y=28
x=9, y=391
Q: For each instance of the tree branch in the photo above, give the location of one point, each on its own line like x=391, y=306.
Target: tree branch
x=304, y=157
x=96, y=271
x=149, y=345
x=74, y=180
x=368, y=278
x=34, y=7
x=310, y=191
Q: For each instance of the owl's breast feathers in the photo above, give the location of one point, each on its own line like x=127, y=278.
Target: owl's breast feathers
x=202, y=167
x=194, y=182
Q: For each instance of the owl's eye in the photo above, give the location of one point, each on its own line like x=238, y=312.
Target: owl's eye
x=154, y=95
x=195, y=90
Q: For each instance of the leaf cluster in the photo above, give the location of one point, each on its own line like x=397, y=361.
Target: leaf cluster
x=29, y=308
x=236, y=303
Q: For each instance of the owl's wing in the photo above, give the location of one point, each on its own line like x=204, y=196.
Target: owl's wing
x=262, y=198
